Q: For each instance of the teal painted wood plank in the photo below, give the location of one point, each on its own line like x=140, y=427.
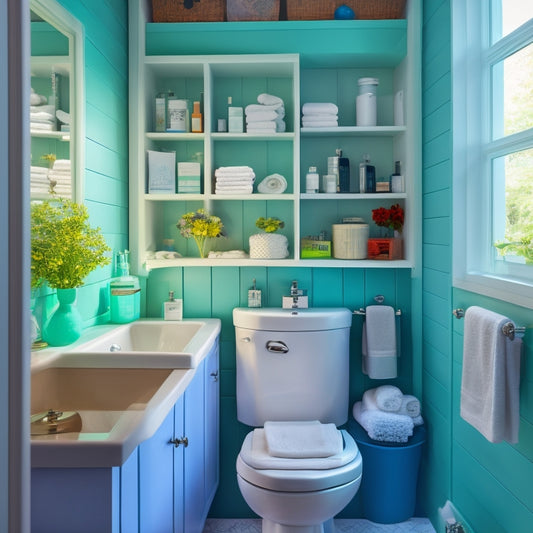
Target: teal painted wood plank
x=437, y=283
x=437, y=66
x=116, y=76
x=105, y=130
x=437, y=95
x=437, y=150
x=103, y=189
x=437, y=309
x=436, y=334
x=354, y=288
x=47, y=41
x=380, y=282
x=438, y=396
x=437, y=231
x=327, y=288
x=430, y=8
x=158, y=285
x=486, y=504
x=227, y=364
x=227, y=382
x=437, y=177
x=437, y=364
x=437, y=32
x=437, y=122
x=197, y=294
x=106, y=97
x=437, y=204
x=437, y=257
x=280, y=279
x=225, y=296
x=111, y=219
x=102, y=160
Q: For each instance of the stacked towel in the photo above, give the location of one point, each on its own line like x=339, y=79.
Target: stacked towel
x=234, y=180
x=42, y=115
x=387, y=414
x=39, y=182
x=491, y=376
x=266, y=116
x=273, y=184
x=61, y=178
x=320, y=115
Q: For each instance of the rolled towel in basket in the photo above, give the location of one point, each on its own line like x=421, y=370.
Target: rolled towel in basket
x=386, y=398
x=383, y=426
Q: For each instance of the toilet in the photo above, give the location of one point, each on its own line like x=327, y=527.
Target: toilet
x=296, y=470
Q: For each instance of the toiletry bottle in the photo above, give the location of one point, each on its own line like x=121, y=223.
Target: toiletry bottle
x=254, y=296
x=160, y=112
x=311, y=181
x=173, y=308
x=333, y=170
x=344, y=172
x=125, y=292
x=235, y=118
x=397, y=182
x=196, y=119
x=367, y=176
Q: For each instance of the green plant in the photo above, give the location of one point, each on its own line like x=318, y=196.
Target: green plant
x=64, y=247
x=523, y=248
x=200, y=225
x=270, y=225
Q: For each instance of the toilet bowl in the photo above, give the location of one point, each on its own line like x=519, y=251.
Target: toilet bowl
x=293, y=370
x=290, y=495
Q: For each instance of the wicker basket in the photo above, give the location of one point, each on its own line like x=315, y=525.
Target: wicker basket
x=268, y=246
x=188, y=10
x=252, y=10
x=364, y=9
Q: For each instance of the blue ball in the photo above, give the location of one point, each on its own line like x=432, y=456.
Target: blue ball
x=344, y=13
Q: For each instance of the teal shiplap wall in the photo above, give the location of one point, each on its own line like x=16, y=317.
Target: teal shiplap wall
x=214, y=292
x=490, y=484
x=106, y=140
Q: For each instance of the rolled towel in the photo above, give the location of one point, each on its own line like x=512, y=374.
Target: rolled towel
x=410, y=406
x=382, y=426
x=37, y=99
x=273, y=184
x=311, y=108
x=385, y=398
x=269, y=99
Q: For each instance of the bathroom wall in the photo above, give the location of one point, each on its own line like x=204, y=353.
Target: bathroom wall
x=214, y=292
x=490, y=484
x=106, y=141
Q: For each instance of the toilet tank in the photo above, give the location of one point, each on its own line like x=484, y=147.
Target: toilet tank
x=292, y=364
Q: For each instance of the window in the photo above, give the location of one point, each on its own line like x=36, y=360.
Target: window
x=493, y=148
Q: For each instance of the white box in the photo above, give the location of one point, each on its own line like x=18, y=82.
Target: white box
x=189, y=177
x=161, y=172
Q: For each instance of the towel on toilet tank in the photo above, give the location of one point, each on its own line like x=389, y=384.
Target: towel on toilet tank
x=379, y=342
x=382, y=425
x=386, y=398
x=302, y=439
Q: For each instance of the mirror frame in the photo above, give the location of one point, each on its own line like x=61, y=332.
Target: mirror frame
x=56, y=15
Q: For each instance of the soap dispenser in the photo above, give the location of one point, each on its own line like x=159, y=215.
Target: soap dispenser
x=173, y=308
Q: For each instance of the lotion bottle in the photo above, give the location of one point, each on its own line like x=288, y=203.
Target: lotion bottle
x=173, y=308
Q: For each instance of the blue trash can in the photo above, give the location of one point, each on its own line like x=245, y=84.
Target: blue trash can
x=390, y=475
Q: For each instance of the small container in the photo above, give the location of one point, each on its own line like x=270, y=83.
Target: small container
x=160, y=112
x=173, y=308
x=367, y=176
x=366, y=102
x=178, y=115
x=125, y=300
x=235, y=118
x=396, y=180
x=330, y=183
x=196, y=119
x=254, y=296
x=222, y=125
x=350, y=239
x=311, y=181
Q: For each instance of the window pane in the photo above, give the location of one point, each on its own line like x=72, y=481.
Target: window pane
x=508, y=15
x=512, y=93
x=513, y=197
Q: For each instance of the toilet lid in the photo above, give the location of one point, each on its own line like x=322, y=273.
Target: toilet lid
x=288, y=474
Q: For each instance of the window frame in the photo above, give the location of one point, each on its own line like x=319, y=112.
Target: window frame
x=473, y=56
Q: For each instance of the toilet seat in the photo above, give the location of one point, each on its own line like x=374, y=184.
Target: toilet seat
x=297, y=475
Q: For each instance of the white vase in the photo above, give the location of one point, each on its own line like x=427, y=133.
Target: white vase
x=268, y=246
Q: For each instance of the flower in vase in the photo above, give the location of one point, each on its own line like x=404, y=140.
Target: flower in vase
x=392, y=218
x=200, y=226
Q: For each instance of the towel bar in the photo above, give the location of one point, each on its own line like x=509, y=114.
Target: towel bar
x=362, y=312
x=508, y=329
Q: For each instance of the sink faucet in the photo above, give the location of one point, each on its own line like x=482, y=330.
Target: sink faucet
x=294, y=288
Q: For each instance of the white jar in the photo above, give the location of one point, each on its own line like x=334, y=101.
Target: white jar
x=350, y=241
x=366, y=102
x=312, y=181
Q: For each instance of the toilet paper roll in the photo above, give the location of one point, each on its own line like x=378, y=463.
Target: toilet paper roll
x=350, y=241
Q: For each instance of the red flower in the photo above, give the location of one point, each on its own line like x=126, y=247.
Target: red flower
x=392, y=218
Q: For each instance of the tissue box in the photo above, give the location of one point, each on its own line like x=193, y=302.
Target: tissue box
x=315, y=249
x=189, y=178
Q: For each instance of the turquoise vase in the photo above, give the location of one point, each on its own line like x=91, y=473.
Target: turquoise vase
x=64, y=326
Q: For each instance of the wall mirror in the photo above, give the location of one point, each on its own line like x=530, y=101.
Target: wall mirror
x=57, y=104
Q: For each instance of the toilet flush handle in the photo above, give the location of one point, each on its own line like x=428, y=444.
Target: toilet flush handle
x=277, y=347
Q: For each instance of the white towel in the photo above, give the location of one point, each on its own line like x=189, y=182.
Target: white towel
x=319, y=117
x=304, y=439
x=386, y=398
x=491, y=376
x=379, y=342
x=272, y=184
x=227, y=254
x=260, y=116
x=269, y=99
x=311, y=108
x=270, y=124
x=382, y=426
x=321, y=124
x=279, y=109
x=233, y=171
x=410, y=406
x=237, y=190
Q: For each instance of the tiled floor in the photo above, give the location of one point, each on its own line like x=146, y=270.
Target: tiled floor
x=413, y=525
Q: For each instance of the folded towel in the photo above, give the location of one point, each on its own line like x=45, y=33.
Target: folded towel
x=410, y=406
x=280, y=125
x=319, y=108
x=379, y=342
x=259, y=116
x=321, y=124
x=47, y=108
x=269, y=99
x=319, y=117
x=42, y=126
x=270, y=124
x=228, y=254
x=382, y=426
x=221, y=171
x=304, y=439
x=386, y=398
x=279, y=109
x=237, y=190
x=491, y=376
x=272, y=184
x=233, y=185
x=264, y=131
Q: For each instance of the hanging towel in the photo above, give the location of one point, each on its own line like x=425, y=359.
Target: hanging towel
x=304, y=439
x=273, y=184
x=383, y=426
x=491, y=376
x=386, y=398
x=379, y=342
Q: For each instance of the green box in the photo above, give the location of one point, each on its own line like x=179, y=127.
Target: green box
x=315, y=249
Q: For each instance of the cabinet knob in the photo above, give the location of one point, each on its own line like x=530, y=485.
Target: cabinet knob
x=177, y=442
x=214, y=375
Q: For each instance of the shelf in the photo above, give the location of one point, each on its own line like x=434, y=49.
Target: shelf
x=173, y=136
x=202, y=197
x=287, y=136
x=58, y=135
x=375, y=131
x=354, y=196
x=299, y=263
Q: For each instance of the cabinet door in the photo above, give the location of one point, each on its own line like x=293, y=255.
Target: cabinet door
x=212, y=388
x=156, y=480
x=194, y=453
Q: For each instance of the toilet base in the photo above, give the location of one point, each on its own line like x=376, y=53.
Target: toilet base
x=272, y=527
